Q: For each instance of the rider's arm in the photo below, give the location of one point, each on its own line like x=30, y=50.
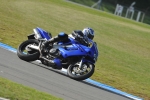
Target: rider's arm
x=79, y=36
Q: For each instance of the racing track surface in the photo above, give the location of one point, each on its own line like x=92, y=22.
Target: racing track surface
x=49, y=80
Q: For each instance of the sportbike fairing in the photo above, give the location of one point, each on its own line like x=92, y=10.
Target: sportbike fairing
x=73, y=48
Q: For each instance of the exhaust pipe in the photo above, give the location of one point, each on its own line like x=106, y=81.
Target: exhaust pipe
x=56, y=62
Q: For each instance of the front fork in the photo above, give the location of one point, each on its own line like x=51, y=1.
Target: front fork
x=82, y=67
x=80, y=64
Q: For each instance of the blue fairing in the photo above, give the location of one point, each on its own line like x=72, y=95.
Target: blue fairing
x=43, y=33
x=72, y=51
x=74, y=48
x=77, y=49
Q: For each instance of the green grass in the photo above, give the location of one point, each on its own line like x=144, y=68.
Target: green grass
x=15, y=91
x=124, y=60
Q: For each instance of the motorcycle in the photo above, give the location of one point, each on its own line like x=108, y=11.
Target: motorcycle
x=78, y=59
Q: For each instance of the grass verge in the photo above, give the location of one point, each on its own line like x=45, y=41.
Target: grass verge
x=14, y=91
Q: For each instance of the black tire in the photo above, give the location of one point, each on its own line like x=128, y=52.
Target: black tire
x=30, y=56
x=80, y=77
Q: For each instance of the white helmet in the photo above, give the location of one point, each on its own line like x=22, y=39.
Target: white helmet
x=89, y=32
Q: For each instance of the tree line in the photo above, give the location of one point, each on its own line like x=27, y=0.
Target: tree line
x=143, y=5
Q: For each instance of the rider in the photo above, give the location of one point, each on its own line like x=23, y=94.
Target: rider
x=81, y=36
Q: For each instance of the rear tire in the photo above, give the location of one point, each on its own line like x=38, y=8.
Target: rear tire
x=31, y=55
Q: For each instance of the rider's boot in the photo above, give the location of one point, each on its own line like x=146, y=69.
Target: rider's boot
x=56, y=63
x=61, y=37
x=48, y=44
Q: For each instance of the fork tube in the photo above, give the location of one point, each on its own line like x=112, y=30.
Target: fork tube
x=80, y=65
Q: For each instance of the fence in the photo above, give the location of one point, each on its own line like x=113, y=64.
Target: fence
x=128, y=11
x=110, y=6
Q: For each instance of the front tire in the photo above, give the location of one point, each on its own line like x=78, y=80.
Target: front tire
x=28, y=55
x=73, y=71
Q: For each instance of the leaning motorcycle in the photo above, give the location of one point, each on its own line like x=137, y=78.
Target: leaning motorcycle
x=78, y=59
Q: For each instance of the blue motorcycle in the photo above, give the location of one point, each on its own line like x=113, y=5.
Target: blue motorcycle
x=78, y=59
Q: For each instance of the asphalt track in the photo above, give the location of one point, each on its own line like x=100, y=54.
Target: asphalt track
x=57, y=83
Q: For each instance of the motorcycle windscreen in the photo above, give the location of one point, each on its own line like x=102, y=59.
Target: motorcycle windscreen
x=94, y=51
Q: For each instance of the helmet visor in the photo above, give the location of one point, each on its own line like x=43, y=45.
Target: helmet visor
x=90, y=36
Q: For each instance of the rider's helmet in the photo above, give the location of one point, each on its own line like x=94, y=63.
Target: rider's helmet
x=88, y=32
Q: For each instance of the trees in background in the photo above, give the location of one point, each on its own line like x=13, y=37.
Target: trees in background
x=140, y=4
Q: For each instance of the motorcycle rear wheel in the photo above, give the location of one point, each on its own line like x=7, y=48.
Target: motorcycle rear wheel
x=72, y=69
x=28, y=55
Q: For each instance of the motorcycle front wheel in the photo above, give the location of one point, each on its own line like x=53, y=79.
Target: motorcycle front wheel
x=82, y=73
x=27, y=54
